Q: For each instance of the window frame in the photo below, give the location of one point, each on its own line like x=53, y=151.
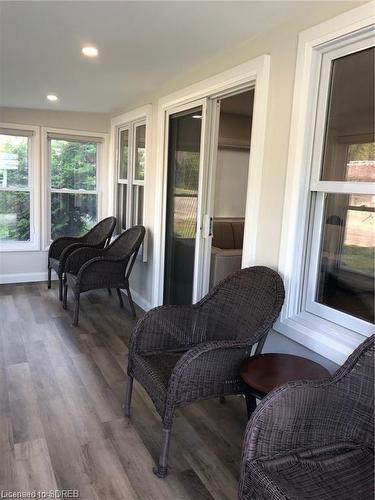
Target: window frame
x=130, y=181
x=317, y=47
x=33, y=187
x=77, y=135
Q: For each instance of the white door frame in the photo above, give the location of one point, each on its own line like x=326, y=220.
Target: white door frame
x=254, y=72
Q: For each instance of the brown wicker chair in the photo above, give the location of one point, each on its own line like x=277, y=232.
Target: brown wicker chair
x=181, y=354
x=92, y=268
x=314, y=439
x=60, y=249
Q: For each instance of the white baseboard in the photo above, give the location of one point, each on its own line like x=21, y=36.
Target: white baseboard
x=24, y=277
x=43, y=276
x=139, y=300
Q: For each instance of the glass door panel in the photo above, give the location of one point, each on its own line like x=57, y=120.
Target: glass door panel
x=184, y=154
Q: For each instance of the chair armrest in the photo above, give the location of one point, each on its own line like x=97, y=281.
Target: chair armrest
x=165, y=328
x=79, y=257
x=71, y=248
x=208, y=368
x=58, y=245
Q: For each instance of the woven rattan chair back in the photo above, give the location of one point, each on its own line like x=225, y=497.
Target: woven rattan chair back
x=127, y=243
x=243, y=305
x=101, y=232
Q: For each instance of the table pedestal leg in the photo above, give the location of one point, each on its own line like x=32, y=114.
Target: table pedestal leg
x=251, y=404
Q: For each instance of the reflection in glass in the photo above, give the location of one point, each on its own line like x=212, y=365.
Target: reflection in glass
x=137, y=204
x=14, y=216
x=140, y=150
x=72, y=214
x=124, y=154
x=349, y=150
x=14, y=161
x=346, y=269
x=73, y=164
x=122, y=192
x=182, y=204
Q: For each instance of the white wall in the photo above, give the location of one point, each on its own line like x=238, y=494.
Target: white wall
x=232, y=170
x=30, y=266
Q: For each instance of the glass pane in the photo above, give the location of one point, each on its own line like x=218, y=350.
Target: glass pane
x=14, y=216
x=138, y=205
x=349, y=151
x=73, y=164
x=124, y=154
x=346, y=273
x=140, y=149
x=14, y=159
x=122, y=191
x=72, y=214
x=182, y=204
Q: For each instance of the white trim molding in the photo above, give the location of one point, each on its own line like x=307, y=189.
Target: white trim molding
x=252, y=73
x=316, y=334
x=24, y=277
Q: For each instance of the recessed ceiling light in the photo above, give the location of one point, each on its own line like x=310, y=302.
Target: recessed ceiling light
x=90, y=51
x=52, y=97
x=197, y=116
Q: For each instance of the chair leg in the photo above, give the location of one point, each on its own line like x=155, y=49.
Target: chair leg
x=131, y=303
x=49, y=277
x=161, y=470
x=120, y=297
x=251, y=404
x=65, y=297
x=109, y=291
x=128, y=396
x=60, y=288
x=76, y=311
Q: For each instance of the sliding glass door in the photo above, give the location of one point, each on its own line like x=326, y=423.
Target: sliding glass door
x=185, y=165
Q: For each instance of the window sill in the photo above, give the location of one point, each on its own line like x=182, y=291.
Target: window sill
x=321, y=336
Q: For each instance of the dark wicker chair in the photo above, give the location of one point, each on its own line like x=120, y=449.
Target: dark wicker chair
x=181, y=354
x=92, y=268
x=314, y=439
x=60, y=249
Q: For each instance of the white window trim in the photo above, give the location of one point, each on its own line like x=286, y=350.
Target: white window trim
x=34, y=187
x=100, y=188
x=319, y=335
x=136, y=117
x=255, y=71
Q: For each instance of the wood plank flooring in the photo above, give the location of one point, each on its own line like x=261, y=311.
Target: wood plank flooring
x=61, y=420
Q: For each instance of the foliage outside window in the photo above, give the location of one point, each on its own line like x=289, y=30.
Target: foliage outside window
x=73, y=185
x=15, y=186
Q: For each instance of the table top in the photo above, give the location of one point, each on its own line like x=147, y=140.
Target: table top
x=267, y=371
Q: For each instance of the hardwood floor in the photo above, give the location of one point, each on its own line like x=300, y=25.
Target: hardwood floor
x=61, y=421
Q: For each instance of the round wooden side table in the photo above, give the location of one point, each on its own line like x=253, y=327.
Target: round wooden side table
x=264, y=372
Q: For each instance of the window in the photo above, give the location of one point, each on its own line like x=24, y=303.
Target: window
x=73, y=184
x=131, y=156
x=340, y=277
x=327, y=243
x=17, y=179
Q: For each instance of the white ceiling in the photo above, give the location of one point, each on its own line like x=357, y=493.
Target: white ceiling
x=142, y=45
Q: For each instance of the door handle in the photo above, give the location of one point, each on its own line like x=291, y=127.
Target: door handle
x=207, y=226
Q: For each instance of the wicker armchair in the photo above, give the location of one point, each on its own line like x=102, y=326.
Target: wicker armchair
x=314, y=439
x=60, y=249
x=93, y=268
x=181, y=354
